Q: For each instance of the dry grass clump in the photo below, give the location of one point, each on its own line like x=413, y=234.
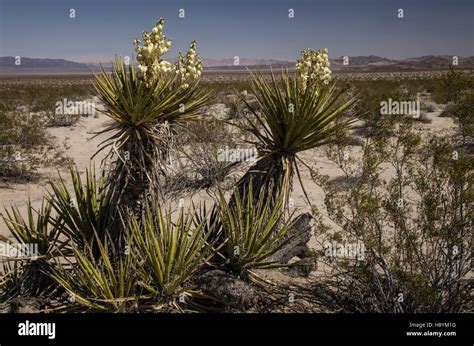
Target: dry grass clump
x=196, y=160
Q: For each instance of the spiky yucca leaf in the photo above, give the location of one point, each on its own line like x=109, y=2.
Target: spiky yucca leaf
x=34, y=230
x=84, y=211
x=172, y=251
x=107, y=282
x=290, y=120
x=254, y=229
x=37, y=240
x=130, y=103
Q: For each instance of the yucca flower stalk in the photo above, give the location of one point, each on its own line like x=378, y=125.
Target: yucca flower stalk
x=293, y=117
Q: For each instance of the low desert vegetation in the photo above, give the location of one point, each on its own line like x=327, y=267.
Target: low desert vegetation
x=110, y=239
x=25, y=145
x=415, y=229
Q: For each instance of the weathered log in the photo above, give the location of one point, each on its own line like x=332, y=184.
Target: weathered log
x=229, y=290
x=296, y=247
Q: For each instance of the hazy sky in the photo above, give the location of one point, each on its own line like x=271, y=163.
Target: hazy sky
x=246, y=28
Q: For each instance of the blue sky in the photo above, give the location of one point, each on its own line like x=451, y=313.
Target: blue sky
x=247, y=28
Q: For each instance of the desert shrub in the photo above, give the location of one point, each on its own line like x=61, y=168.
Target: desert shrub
x=429, y=106
x=423, y=118
x=23, y=143
x=236, y=104
x=464, y=115
x=355, y=141
x=368, y=108
x=42, y=97
x=62, y=120
x=414, y=229
x=196, y=159
x=216, y=87
x=452, y=85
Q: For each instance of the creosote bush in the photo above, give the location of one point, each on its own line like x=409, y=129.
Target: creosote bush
x=414, y=229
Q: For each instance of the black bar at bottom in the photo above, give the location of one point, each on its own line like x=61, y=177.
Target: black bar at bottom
x=238, y=329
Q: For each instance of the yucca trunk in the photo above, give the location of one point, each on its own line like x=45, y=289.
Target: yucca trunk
x=272, y=175
x=135, y=175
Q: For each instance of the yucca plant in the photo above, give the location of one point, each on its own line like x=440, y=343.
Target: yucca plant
x=37, y=241
x=143, y=115
x=172, y=251
x=254, y=229
x=84, y=211
x=107, y=282
x=292, y=119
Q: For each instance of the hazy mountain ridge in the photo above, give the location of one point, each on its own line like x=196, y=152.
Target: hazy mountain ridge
x=371, y=62
x=8, y=64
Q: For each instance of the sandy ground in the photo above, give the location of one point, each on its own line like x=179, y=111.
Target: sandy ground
x=80, y=147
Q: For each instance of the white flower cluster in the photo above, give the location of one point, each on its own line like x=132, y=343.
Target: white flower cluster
x=189, y=67
x=151, y=65
x=155, y=44
x=313, y=67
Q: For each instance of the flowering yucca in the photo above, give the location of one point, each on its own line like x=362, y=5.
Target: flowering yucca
x=296, y=114
x=313, y=68
x=144, y=104
x=149, y=52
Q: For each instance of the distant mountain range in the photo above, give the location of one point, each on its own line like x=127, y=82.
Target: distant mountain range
x=357, y=63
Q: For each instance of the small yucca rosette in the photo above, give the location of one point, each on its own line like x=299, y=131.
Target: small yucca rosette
x=313, y=68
